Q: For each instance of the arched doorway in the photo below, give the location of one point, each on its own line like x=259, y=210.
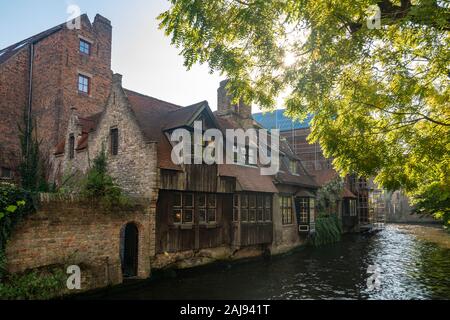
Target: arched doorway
x=129, y=250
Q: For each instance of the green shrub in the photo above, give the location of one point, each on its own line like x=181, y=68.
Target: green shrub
x=15, y=204
x=328, y=230
x=34, y=285
x=101, y=186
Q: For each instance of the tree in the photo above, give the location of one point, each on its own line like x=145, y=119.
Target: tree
x=379, y=97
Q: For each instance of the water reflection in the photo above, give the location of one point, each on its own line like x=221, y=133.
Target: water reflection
x=410, y=268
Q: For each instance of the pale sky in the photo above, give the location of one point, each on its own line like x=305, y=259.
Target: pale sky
x=141, y=52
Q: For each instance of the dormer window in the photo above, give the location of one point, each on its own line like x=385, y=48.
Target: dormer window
x=71, y=146
x=85, y=47
x=293, y=166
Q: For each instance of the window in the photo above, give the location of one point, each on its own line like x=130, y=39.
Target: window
x=71, y=146
x=207, y=206
x=303, y=210
x=293, y=166
x=114, y=141
x=6, y=173
x=286, y=209
x=183, y=208
x=236, y=206
x=85, y=47
x=84, y=84
x=252, y=208
x=353, y=208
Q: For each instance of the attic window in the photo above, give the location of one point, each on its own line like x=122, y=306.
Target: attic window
x=85, y=47
x=84, y=84
x=71, y=146
x=114, y=141
x=293, y=166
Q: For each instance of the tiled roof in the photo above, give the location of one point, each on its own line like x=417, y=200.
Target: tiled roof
x=183, y=116
x=250, y=179
x=278, y=120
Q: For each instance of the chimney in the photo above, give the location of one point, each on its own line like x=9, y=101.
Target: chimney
x=225, y=107
x=103, y=29
x=117, y=79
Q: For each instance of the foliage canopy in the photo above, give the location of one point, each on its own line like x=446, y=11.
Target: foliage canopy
x=380, y=97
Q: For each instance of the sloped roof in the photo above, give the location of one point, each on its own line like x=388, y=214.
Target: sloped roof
x=88, y=124
x=183, y=116
x=323, y=177
x=250, y=179
x=278, y=120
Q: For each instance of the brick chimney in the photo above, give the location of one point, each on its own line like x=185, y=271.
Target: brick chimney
x=103, y=29
x=225, y=107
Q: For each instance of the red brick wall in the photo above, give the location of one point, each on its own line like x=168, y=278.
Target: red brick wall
x=13, y=100
x=73, y=233
x=57, y=63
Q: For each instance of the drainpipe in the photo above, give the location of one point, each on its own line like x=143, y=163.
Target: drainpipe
x=30, y=97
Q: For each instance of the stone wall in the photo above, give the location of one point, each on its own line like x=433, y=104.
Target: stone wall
x=70, y=232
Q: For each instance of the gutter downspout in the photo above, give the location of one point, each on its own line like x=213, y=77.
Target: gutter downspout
x=30, y=97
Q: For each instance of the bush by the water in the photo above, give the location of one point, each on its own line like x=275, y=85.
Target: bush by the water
x=328, y=230
x=34, y=285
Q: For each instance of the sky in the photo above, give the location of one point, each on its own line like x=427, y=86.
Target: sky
x=141, y=52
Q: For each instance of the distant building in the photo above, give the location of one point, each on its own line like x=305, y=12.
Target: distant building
x=369, y=208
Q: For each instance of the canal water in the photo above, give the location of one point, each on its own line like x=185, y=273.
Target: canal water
x=404, y=262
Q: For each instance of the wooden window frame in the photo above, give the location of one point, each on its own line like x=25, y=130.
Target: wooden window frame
x=305, y=210
x=207, y=207
x=182, y=208
x=286, y=207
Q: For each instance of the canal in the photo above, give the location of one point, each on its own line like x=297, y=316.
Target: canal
x=410, y=262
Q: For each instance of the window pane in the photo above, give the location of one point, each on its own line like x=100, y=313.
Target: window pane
x=244, y=201
x=188, y=216
x=202, y=216
x=260, y=215
x=188, y=200
x=212, y=201
x=268, y=215
x=202, y=200
x=252, y=201
x=260, y=201
x=244, y=214
x=268, y=202
x=211, y=215
x=83, y=83
x=252, y=215
x=177, y=216
x=177, y=200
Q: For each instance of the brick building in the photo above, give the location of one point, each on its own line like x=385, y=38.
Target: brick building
x=363, y=191
x=42, y=77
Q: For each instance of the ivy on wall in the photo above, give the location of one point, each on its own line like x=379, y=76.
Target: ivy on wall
x=15, y=204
